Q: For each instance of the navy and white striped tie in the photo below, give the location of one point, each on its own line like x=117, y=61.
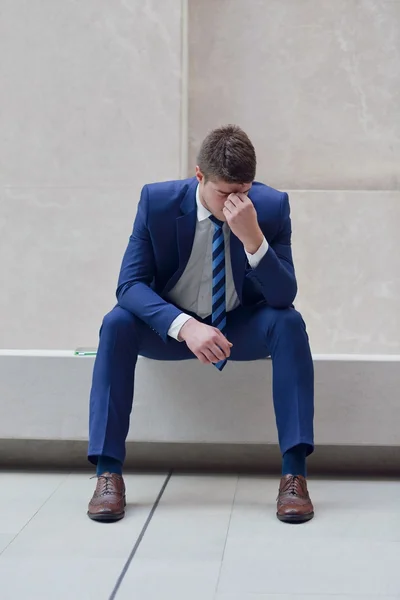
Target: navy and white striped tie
x=218, y=318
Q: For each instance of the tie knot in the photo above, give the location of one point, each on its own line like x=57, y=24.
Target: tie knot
x=216, y=221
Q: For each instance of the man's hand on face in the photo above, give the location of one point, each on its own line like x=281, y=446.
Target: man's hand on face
x=206, y=342
x=241, y=217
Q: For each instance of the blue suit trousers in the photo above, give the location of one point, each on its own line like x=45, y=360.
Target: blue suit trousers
x=256, y=333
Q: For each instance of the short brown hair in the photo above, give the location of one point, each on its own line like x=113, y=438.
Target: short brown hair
x=228, y=154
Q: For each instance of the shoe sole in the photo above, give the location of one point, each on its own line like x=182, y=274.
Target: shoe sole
x=295, y=519
x=106, y=518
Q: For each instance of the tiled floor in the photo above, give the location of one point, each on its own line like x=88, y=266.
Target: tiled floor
x=210, y=538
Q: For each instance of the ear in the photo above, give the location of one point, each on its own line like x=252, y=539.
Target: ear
x=199, y=174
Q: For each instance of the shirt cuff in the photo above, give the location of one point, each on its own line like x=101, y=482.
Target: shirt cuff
x=255, y=259
x=177, y=325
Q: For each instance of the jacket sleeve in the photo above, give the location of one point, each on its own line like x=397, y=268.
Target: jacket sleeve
x=134, y=292
x=275, y=274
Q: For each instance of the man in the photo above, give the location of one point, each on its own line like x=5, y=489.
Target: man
x=208, y=273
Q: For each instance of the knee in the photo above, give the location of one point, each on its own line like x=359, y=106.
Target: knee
x=288, y=320
x=119, y=320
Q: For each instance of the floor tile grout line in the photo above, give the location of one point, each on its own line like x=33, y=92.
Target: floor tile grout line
x=140, y=538
x=227, y=535
x=34, y=515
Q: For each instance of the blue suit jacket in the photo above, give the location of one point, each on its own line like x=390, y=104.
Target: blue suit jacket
x=162, y=238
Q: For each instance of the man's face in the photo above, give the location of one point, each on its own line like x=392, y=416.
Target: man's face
x=214, y=194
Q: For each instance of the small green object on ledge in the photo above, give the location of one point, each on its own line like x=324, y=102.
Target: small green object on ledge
x=85, y=352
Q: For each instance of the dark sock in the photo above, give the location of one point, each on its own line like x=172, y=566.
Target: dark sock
x=294, y=461
x=106, y=464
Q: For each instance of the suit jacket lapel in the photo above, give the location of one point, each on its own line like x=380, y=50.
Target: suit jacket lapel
x=185, y=230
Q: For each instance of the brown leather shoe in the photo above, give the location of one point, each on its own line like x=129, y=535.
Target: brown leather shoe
x=294, y=503
x=108, y=501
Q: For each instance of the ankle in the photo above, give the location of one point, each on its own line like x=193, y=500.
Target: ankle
x=106, y=464
x=294, y=461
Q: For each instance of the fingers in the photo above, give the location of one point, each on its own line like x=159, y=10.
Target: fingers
x=213, y=348
x=213, y=353
x=223, y=343
x=234, y=200
x=228, y=207
x=202, y=358
x=243, y=197
x=234, y=204
x=211, y=357
x=218, y=352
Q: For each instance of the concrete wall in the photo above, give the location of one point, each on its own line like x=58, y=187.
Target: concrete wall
x=90, y=110
x=94, y=101
x=316, y=84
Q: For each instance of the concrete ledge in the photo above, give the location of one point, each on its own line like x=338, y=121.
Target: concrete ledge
x=248, y=458
x=44, y=396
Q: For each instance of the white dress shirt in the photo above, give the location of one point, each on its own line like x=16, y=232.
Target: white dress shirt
x=193, y=291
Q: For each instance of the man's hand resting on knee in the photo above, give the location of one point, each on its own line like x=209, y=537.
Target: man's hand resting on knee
x=206, y=342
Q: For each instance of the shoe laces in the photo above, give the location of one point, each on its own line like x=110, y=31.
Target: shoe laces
x=107, y=487
x=294, y=487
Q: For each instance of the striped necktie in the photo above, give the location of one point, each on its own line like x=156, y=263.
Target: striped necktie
x=218, y=318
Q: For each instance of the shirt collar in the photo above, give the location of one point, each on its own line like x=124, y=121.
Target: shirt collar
x=202, y=212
